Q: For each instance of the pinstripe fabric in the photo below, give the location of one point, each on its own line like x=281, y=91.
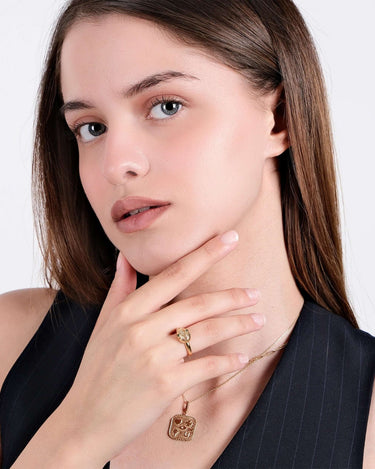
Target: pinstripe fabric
x=312, y=413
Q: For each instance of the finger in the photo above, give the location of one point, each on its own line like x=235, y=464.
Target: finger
x=124, y=283
x=213, y=331
x=170, y=282
x=203, y=369
x=186, y=312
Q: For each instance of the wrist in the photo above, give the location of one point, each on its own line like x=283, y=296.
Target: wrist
x=58, y=444
x=75, y=450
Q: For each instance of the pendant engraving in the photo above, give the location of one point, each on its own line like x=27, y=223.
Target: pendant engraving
x=181, y=427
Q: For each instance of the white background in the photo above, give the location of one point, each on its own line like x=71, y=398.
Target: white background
x=345, y=38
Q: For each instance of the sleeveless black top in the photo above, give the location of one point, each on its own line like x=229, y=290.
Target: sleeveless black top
x=312, y=414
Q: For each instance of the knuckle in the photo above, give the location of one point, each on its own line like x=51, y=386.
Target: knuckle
x=122, y=313
x=136, y=335
x=211, y=365
x=210, y=250
x=210, y=329
x=245, y=323
x=164, y=383
x=233, y=362
x=151, y=360
x=238, y=296
x=198, y=303
x=174, y=270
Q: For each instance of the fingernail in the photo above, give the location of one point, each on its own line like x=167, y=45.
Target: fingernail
x=230, y=237
x=252, y=294
x=259, y=319
x=243, y=358
x=119, y=261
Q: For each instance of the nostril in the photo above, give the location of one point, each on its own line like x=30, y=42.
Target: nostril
x=118, y=165
x=131, y=173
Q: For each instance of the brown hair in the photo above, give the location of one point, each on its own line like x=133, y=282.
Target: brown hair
x=266, y=41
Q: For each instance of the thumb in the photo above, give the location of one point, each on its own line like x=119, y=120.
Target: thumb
x=123, y=283
x=125, y=280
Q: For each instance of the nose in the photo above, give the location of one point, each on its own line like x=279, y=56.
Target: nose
x=123, y=159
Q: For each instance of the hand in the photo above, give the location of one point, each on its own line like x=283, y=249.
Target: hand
x=133, y=366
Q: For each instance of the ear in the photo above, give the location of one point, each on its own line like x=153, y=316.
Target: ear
x=278, y=138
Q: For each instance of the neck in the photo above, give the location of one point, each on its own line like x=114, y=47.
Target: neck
x=259, y=261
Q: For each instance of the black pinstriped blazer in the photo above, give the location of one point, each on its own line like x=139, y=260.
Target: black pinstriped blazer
x=312, y=414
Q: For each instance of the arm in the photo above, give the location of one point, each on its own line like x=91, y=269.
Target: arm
x=21, y=313
x=132, y=344
x=54, y=445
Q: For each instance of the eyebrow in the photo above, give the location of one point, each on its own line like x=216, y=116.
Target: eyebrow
x=134, y=89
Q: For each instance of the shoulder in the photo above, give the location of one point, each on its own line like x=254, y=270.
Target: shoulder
x=21, y=313
x=359, y=348
x=354, y=349
x=339, y=331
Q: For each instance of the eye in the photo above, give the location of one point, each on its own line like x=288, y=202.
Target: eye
x=164, y=108
x=89, y=132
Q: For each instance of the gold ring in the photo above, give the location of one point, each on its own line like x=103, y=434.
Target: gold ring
x=184, y=336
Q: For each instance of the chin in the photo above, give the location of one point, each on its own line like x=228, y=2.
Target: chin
x=155, y=255
x=150, y=271
x=152, y=264
x=151, y=261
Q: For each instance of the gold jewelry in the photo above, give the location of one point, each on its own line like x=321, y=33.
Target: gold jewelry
x=184, y=336
x=182, y=426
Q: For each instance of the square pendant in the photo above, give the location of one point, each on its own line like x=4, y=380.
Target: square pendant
x=181, y=427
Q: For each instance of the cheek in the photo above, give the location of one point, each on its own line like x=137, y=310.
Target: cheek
x=86, y=177
x=91, y=183
x=217, y=161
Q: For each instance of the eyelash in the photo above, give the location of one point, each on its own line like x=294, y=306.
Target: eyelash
x=162, y=100
x=154, y=102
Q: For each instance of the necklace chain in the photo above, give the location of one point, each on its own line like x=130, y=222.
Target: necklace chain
x=252, y=360
x=182, y=426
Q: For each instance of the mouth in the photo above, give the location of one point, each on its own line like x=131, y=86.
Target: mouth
x=139, y=210
x=131, y=206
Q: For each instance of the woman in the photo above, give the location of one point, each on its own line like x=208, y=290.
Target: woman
x=190, y=141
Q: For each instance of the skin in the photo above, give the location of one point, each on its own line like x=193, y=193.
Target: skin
x=210, y=144
x=215, y=149
x=196, y=279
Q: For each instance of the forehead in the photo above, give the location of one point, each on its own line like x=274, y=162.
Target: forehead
x=118, y=41
x=113, y=48
x=124, y=32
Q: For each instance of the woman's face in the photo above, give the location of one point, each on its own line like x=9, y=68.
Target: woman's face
x=194, y=136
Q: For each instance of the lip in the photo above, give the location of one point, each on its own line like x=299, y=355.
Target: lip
x=123, y=206
x=140, y=220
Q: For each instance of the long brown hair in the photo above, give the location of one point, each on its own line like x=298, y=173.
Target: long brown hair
x=267, y=41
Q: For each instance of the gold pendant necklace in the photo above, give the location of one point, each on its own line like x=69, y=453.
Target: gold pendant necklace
x=182, y=426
